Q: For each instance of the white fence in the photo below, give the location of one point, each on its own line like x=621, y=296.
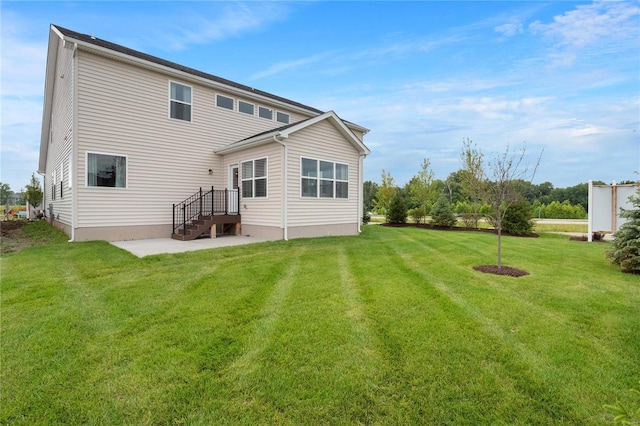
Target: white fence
x=605, y=202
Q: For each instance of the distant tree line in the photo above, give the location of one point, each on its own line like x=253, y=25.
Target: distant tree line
x=420, y=193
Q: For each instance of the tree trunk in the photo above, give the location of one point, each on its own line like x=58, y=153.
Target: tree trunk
x=499, y=247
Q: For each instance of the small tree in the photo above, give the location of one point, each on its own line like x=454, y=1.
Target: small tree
x=626, y=240
x=417, y=214
x=502, y=193
x=397, y=209
x=384, y=193
x=473, y=179
x=34, y=192
x=5, y=191
x=420, y=186
x=442, y=213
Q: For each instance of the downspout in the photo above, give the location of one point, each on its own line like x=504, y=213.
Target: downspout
x=74, y=146
x=360, y=208
x=285, y=198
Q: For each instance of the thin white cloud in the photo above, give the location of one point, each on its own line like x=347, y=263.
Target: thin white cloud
x=285, y=66
x=221, y=21
x=510, y=28
x=589, y=24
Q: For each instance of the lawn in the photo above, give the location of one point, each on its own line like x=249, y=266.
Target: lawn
x=390, y=327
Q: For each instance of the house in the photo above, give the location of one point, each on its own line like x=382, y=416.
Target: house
x=134, y=147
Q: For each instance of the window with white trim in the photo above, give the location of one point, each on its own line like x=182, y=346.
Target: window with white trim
x=324, y=179
x=254, y=178
x=179, y=101
x=265, y=112
x=106, y=170
x=224, y=102
x=282, y=117
x=246, y=107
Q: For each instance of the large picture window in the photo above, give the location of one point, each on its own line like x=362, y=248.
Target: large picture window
x=106, y=170
x=180, y=101
x=254, y=178
x=324, y=179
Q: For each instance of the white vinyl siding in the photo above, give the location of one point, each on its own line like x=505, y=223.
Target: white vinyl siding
x=122, y=109
x=263, y=211
x=61, y=138
x=70, y=171
x=311, y=211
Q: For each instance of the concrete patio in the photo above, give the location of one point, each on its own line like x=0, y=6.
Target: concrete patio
x=142, y=248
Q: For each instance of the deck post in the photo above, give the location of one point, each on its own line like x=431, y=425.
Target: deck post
x=173, y=228
x=184, y=219
x=213, y=204
x=226, y=201
x=200, y=211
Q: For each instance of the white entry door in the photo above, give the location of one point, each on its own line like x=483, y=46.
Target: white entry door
x=232, y=195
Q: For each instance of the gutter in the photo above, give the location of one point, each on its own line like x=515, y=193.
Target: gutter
x=285, y=198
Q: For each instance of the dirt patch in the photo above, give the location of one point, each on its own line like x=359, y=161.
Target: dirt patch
x=505, y=270
x=12, y=237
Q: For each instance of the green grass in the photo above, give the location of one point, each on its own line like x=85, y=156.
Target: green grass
x=391, y=327
x=561, y=227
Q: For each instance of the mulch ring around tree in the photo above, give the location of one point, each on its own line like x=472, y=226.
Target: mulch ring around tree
x=505, y=270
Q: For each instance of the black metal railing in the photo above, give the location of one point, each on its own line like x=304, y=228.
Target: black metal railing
x=205, y=203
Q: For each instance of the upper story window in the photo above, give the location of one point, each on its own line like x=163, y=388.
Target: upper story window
x=265, y=113
x=324, y=179
x=106, y=170
x=246, y=107
x=254, y=178
x=224, y=102
x=282, y=117
x=180, y=101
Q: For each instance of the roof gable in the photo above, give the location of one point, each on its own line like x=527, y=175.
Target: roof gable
x=284, y=132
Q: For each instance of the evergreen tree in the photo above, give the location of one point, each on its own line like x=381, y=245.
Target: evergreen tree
x=517, y=219
x=397, y=209
x=442, y=213
x=626, y=243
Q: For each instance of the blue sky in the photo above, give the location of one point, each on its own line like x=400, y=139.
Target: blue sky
x=560, y=76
